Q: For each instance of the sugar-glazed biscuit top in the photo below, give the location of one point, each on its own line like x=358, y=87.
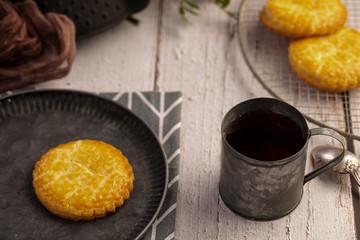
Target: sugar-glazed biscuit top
x=329, y=62
x=303, y=18
x=82, y=180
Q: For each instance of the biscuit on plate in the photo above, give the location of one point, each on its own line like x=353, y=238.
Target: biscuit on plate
x=303, y=18
x=83, y=180
x=329, y=62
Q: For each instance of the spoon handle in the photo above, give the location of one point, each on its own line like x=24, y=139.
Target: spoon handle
x=356, y=176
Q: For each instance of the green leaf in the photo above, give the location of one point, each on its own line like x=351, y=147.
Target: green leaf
x=182, y=13
x=232, y=14
x=181, y=10
x=133, y=20
x=222, y=3
x=189, y=10
x=192, y=4
x=188, y=6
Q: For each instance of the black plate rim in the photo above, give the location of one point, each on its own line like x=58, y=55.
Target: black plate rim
x=94, y=95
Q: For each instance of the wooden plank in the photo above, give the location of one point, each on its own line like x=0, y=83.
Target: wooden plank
x=354, y=113
x=203, y=60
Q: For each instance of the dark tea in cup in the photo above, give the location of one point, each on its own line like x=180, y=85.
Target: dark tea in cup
x=265, y=135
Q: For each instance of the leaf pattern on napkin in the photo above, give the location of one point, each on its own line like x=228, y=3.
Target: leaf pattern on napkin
x=162, y=112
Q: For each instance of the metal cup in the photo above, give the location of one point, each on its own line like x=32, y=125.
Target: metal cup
x=261, y=189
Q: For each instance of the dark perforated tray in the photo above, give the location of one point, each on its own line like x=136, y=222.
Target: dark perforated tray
x=92, y=16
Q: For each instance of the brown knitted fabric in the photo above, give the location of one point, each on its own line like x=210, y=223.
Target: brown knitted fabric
x=34, y=47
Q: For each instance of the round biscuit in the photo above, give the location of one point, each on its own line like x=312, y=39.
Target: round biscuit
x=83, y=180
x=329, y=62
x=303, y=18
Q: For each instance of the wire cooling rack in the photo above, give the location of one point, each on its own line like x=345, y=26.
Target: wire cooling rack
x=266, y=53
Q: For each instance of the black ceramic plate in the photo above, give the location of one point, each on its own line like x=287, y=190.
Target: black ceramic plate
x=33, y=122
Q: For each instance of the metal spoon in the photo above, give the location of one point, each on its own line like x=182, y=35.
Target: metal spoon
x=349, y=164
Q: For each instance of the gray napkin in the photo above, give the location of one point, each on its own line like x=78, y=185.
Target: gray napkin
x=162, y=112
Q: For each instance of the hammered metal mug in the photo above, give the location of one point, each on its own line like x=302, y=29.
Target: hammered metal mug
x=263, y=158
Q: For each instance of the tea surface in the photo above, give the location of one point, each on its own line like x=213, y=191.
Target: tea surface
x=265, y=136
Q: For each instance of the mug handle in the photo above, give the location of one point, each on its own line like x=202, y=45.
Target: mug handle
x=332, y=163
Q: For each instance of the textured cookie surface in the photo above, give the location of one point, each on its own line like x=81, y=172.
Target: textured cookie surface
x=83, y=180
x=328, y=62
x=303, y=18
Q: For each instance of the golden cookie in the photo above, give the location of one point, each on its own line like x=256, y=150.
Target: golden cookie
x=328, y=62
x=83, y=180
x=303, y=18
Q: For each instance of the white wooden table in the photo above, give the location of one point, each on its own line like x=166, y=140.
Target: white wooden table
x=203, y=60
